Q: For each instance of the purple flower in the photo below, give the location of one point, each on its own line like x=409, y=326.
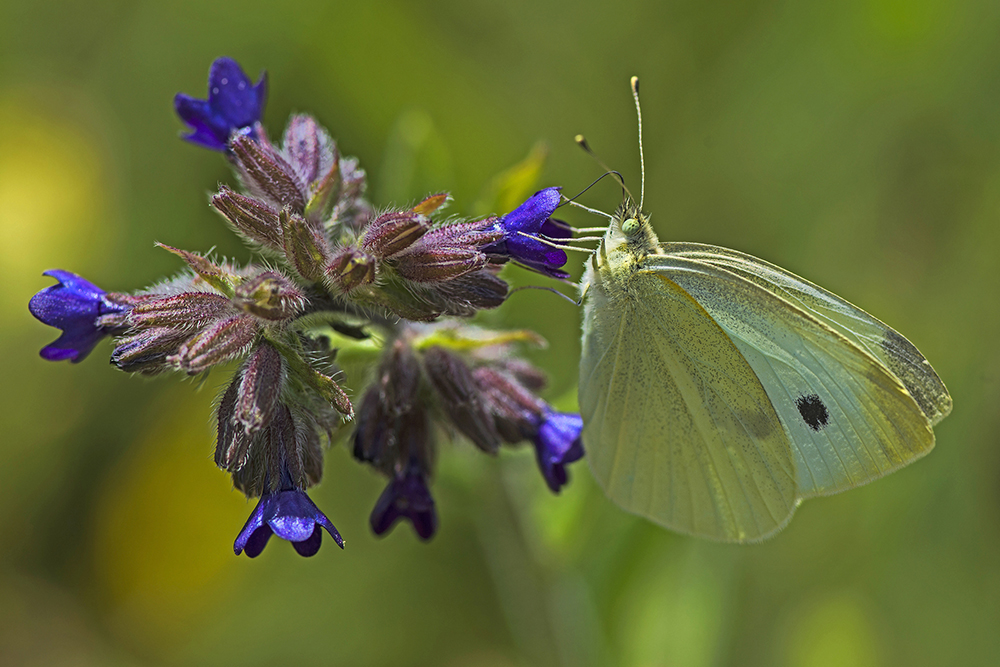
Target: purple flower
x=406, y=497
x=523, y=226
x=233, y=103
x=73, y=305
x=558, y=443
x=290, y=515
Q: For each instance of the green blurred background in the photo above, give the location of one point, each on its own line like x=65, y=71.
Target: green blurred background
x=855, y=143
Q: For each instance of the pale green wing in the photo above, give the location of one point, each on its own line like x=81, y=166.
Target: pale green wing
x=677, y=427
x=880, y=341
x=850, y=418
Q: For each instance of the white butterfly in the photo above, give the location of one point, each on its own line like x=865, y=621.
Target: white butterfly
x=718, y=391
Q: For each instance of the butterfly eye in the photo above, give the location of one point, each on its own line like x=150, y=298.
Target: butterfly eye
x=630, y=226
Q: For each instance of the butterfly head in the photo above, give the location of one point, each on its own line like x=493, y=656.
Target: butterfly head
x=630, y=229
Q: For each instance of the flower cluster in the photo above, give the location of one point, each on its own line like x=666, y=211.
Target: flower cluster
x=338, y=273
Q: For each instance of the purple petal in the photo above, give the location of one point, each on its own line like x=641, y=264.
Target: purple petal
x=535, y=254
x=254, y=522
x=309, y=546
x=257, y=542
x=556, y=229
x=73, y=305
x=529, y=216
x=406, y=498
x=291, y=515
x=233, y=96
x=208, y=130
x=233, y=103
x=558, y=443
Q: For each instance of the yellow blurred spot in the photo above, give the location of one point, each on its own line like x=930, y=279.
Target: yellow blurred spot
x=52, y=199
x=164, y=529
x=835, y=632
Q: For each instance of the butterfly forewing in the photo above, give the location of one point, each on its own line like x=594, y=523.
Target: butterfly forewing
x=677, y=426
x=849, y=417
x=883, y=343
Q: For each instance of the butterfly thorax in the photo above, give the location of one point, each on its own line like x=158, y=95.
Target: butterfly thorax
x=623, y=251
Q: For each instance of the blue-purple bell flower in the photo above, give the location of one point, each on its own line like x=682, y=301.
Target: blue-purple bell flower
x=523, y=226
x=233, y=103
x=291, y=515
x=406, y=497
x=558, y=443
x=73, y=305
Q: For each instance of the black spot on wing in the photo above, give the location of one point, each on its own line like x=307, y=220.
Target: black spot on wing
x=813, y=411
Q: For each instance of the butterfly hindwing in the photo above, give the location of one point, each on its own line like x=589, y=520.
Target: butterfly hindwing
x=677, y=426
x=849, y=417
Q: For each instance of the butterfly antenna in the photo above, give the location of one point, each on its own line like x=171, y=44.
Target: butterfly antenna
x=642, y=162
x=582, y=142
x=572, y=202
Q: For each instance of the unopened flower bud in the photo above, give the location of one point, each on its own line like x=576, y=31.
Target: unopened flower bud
x=392, y=425
x=307, y=147
x=460, y=398
x=438, y=264
x=393, y=232
x=514, y=408
x=474, y=234
x=186, y=311
x=232, y=446
x=217, y=343
x=351, y=268
x=260, y=382
x=311, y=450
x=266, y=174
x=253, y=218
x=474, y=291
x=271, y=296
x=305, y=246
x=146, y=350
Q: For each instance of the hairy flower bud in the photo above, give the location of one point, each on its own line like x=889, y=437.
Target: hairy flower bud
x=260, y=382
x=233, y=442
x=438, y=264
x=305, y=246
x=465, y=234
x=251, y=217
x=514, y=408
x=460, y=398
x=351, y=268
x=186, y=311
x=266, y=174
x=393, y=232
x=215, y=344
x=147, y=350
x=270, y=295
x=392, y=424
x=473, y=291
x=308, y=148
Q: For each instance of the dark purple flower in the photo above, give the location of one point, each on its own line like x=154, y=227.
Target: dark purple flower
x=523, y=226
x=73, y=305
x=558, y=443
x=290, y=515
x=233, y=103
x=406, y=497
